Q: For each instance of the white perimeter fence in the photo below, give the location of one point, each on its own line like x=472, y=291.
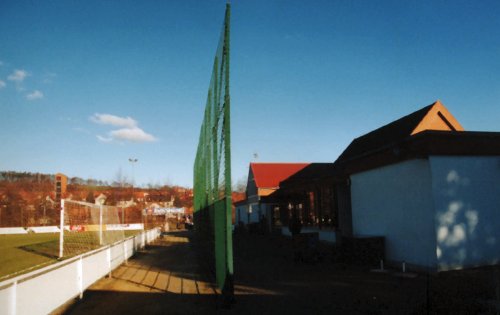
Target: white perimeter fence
x=44, y=290
x=56, y=229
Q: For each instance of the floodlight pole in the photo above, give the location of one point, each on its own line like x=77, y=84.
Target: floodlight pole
x=133, y=161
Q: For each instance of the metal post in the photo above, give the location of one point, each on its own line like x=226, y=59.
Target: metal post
x=125, y=252
x=79, y=269
x=13, y=299
x=61, y=232
x=100, y=225
x=108, y=257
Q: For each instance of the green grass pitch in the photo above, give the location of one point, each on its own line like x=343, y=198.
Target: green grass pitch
x=21, y=253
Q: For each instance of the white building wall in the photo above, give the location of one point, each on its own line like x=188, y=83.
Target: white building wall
x=467, y=201
x=254, y=212
x=242, y=214
x=395, y=201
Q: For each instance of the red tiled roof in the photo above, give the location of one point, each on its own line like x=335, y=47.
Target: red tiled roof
x=238, y=196
x=269, y=175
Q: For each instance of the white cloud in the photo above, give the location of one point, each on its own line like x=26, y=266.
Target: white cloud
x=2, y=84
x=130, y=130
x=18, y=76
x=117, y=121
x=135, y=134
x=104, y=139
x=35, y=95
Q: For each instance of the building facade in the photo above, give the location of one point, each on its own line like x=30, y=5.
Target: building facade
x=429, y=188
x=61, y=183
x=263, y=180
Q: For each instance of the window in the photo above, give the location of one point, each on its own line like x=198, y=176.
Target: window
x=276, y=216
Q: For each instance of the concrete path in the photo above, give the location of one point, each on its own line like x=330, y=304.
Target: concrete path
x=162, y=279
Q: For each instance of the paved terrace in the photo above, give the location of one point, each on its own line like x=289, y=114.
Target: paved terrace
x=162, y=279
x=166, y=278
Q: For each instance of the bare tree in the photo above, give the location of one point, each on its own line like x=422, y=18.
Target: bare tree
x=120, y=179
x=240, y=185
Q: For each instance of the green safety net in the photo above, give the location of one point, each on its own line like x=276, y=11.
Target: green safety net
x=212, y=170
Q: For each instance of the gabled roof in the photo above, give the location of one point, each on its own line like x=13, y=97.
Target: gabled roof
x=431, y=117
x=425, y=144
x=269, y=175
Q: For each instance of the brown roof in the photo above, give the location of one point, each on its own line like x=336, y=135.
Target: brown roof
x=431, y=117
x=425, y=144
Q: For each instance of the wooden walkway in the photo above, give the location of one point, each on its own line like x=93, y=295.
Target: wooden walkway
x=166, y=279
x=163, y=279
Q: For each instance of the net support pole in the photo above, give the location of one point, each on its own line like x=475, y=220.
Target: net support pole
x=61, y=232
x=228, y=286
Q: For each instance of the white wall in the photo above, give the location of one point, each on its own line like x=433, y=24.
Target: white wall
x=395, y=201
x=255, y=212
x=249, y=213
x=242, y=214
x=43, y=290
x=467, y=201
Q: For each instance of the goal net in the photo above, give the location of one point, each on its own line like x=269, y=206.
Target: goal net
x=86, y=226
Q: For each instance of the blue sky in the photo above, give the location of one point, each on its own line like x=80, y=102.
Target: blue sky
x=86, y=85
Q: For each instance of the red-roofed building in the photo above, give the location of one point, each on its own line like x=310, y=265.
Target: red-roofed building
x=320, y=195
x=429, y=188
x=263, y=180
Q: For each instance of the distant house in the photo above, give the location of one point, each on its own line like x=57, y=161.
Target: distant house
x=236, y=198
x=126, y=203
x=430, y=188
x=60, y=186
x=263, y=180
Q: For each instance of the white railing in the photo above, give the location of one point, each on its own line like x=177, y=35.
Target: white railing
x=44, y=290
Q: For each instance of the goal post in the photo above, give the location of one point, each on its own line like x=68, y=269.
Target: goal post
x=86, y=226
x=61, y=232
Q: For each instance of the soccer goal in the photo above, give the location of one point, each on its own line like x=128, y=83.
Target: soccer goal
x=85, y=226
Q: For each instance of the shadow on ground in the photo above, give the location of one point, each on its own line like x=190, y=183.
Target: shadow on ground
x=166, y=278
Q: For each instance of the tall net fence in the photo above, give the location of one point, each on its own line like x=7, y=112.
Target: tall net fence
x=212, y=170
